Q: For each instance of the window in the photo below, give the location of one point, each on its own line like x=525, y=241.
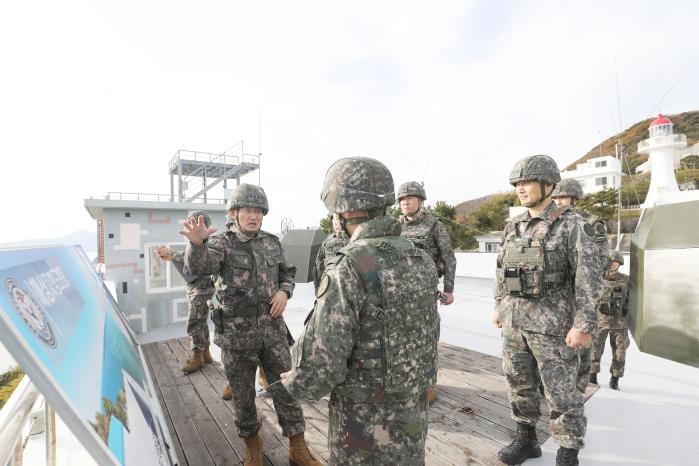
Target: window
x=601, y=181
x=162, y=276
x=600, y=163
x=491, y=247
x=111, y=235
x=127, y=214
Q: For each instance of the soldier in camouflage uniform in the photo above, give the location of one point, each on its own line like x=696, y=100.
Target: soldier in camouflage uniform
x=567, y=193
x=255, y=282
x=200, y=289
x=428, y=234
x=612, y=320
x=546, y=290
x=330, y=245
x=372, y=340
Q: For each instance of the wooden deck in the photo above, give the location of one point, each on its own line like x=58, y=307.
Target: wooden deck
x=469, y=422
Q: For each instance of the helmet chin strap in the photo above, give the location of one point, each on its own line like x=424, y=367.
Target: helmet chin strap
x=544, y=196
x=359, y=220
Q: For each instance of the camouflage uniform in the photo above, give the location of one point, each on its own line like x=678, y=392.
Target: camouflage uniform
x=612, y=321
x=198, y=293
x=585, y=354
x=330, y=245
x=372, y=340
x=250, y=271
x=428, y=234
x=572, y=188
x=547, y=283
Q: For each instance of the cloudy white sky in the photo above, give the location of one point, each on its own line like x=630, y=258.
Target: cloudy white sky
x=98, y=96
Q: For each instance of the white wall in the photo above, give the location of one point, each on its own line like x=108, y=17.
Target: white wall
x=475, y=264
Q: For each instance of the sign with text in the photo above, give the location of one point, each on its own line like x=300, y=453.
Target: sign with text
x=62, y=326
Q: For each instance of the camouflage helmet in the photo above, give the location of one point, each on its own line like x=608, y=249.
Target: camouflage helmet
x=248, y=195
x=357, y=183
x=541, y=168
x=568, y=188
x=616, y=256
x=207, y=218
x=411, y=188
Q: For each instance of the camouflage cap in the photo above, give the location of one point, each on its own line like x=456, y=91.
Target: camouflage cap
x=357, y=183
x=616, y=256
x=568, y=188
x=248, y=195
x=540, y=168
x=411, y=188
x=198, y=213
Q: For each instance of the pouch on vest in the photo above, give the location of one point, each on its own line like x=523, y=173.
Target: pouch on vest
x=523, y=270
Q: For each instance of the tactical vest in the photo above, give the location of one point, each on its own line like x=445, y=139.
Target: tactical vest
x=613, y=302
x=527, y=270
x=395, y=348
x=421, y=235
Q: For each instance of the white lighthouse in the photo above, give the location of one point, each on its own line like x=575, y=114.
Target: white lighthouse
x=661, y=147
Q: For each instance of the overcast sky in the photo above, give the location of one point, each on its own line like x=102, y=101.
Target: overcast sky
x=98, y=96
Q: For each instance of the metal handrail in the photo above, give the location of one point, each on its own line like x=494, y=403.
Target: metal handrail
x=152, y=197
x=14, y=416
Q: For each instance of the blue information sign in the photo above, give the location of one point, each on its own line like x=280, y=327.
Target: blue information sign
x=62, y=326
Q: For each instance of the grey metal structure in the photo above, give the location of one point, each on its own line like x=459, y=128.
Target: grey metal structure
x=301, y=248
x=664, y=296
x=187, y=166
x=130, y=226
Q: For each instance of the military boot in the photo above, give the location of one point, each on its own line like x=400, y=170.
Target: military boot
x=431, y=394
x=253, y=451
x=207, y=356
x=593, y=379
x=614, y=382
x=567, y=457
x=194, y=363
x=522, y=447
x=227, y=393
x=299, y=455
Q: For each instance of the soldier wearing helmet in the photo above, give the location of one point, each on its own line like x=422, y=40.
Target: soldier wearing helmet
x=568, y=193
x=428, y=234
x=371, y=342
x=612, y=320
x=254, y=282
x=200, y=289
x=547, y=286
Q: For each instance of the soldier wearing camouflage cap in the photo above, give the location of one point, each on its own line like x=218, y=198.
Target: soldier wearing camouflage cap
x=569, y=192
x=371, y=342
x=428, y=234
x=612, y=320
x=254, y=283
x=547, y=286
x=200, y=289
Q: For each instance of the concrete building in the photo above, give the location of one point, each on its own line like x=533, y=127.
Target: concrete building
x=130, y=226
x=596, y=174
x=489, y=242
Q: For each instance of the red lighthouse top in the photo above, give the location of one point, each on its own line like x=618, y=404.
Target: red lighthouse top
x=661, y=120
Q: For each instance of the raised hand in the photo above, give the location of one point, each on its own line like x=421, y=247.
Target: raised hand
x=196, y=231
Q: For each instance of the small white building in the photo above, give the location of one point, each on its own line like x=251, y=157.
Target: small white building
x=596, y=174
x=489, y=242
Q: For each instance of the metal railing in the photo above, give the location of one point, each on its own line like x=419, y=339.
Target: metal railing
x=657, y=139
x=212, y=158
x=150, y=197
x=14, y=418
